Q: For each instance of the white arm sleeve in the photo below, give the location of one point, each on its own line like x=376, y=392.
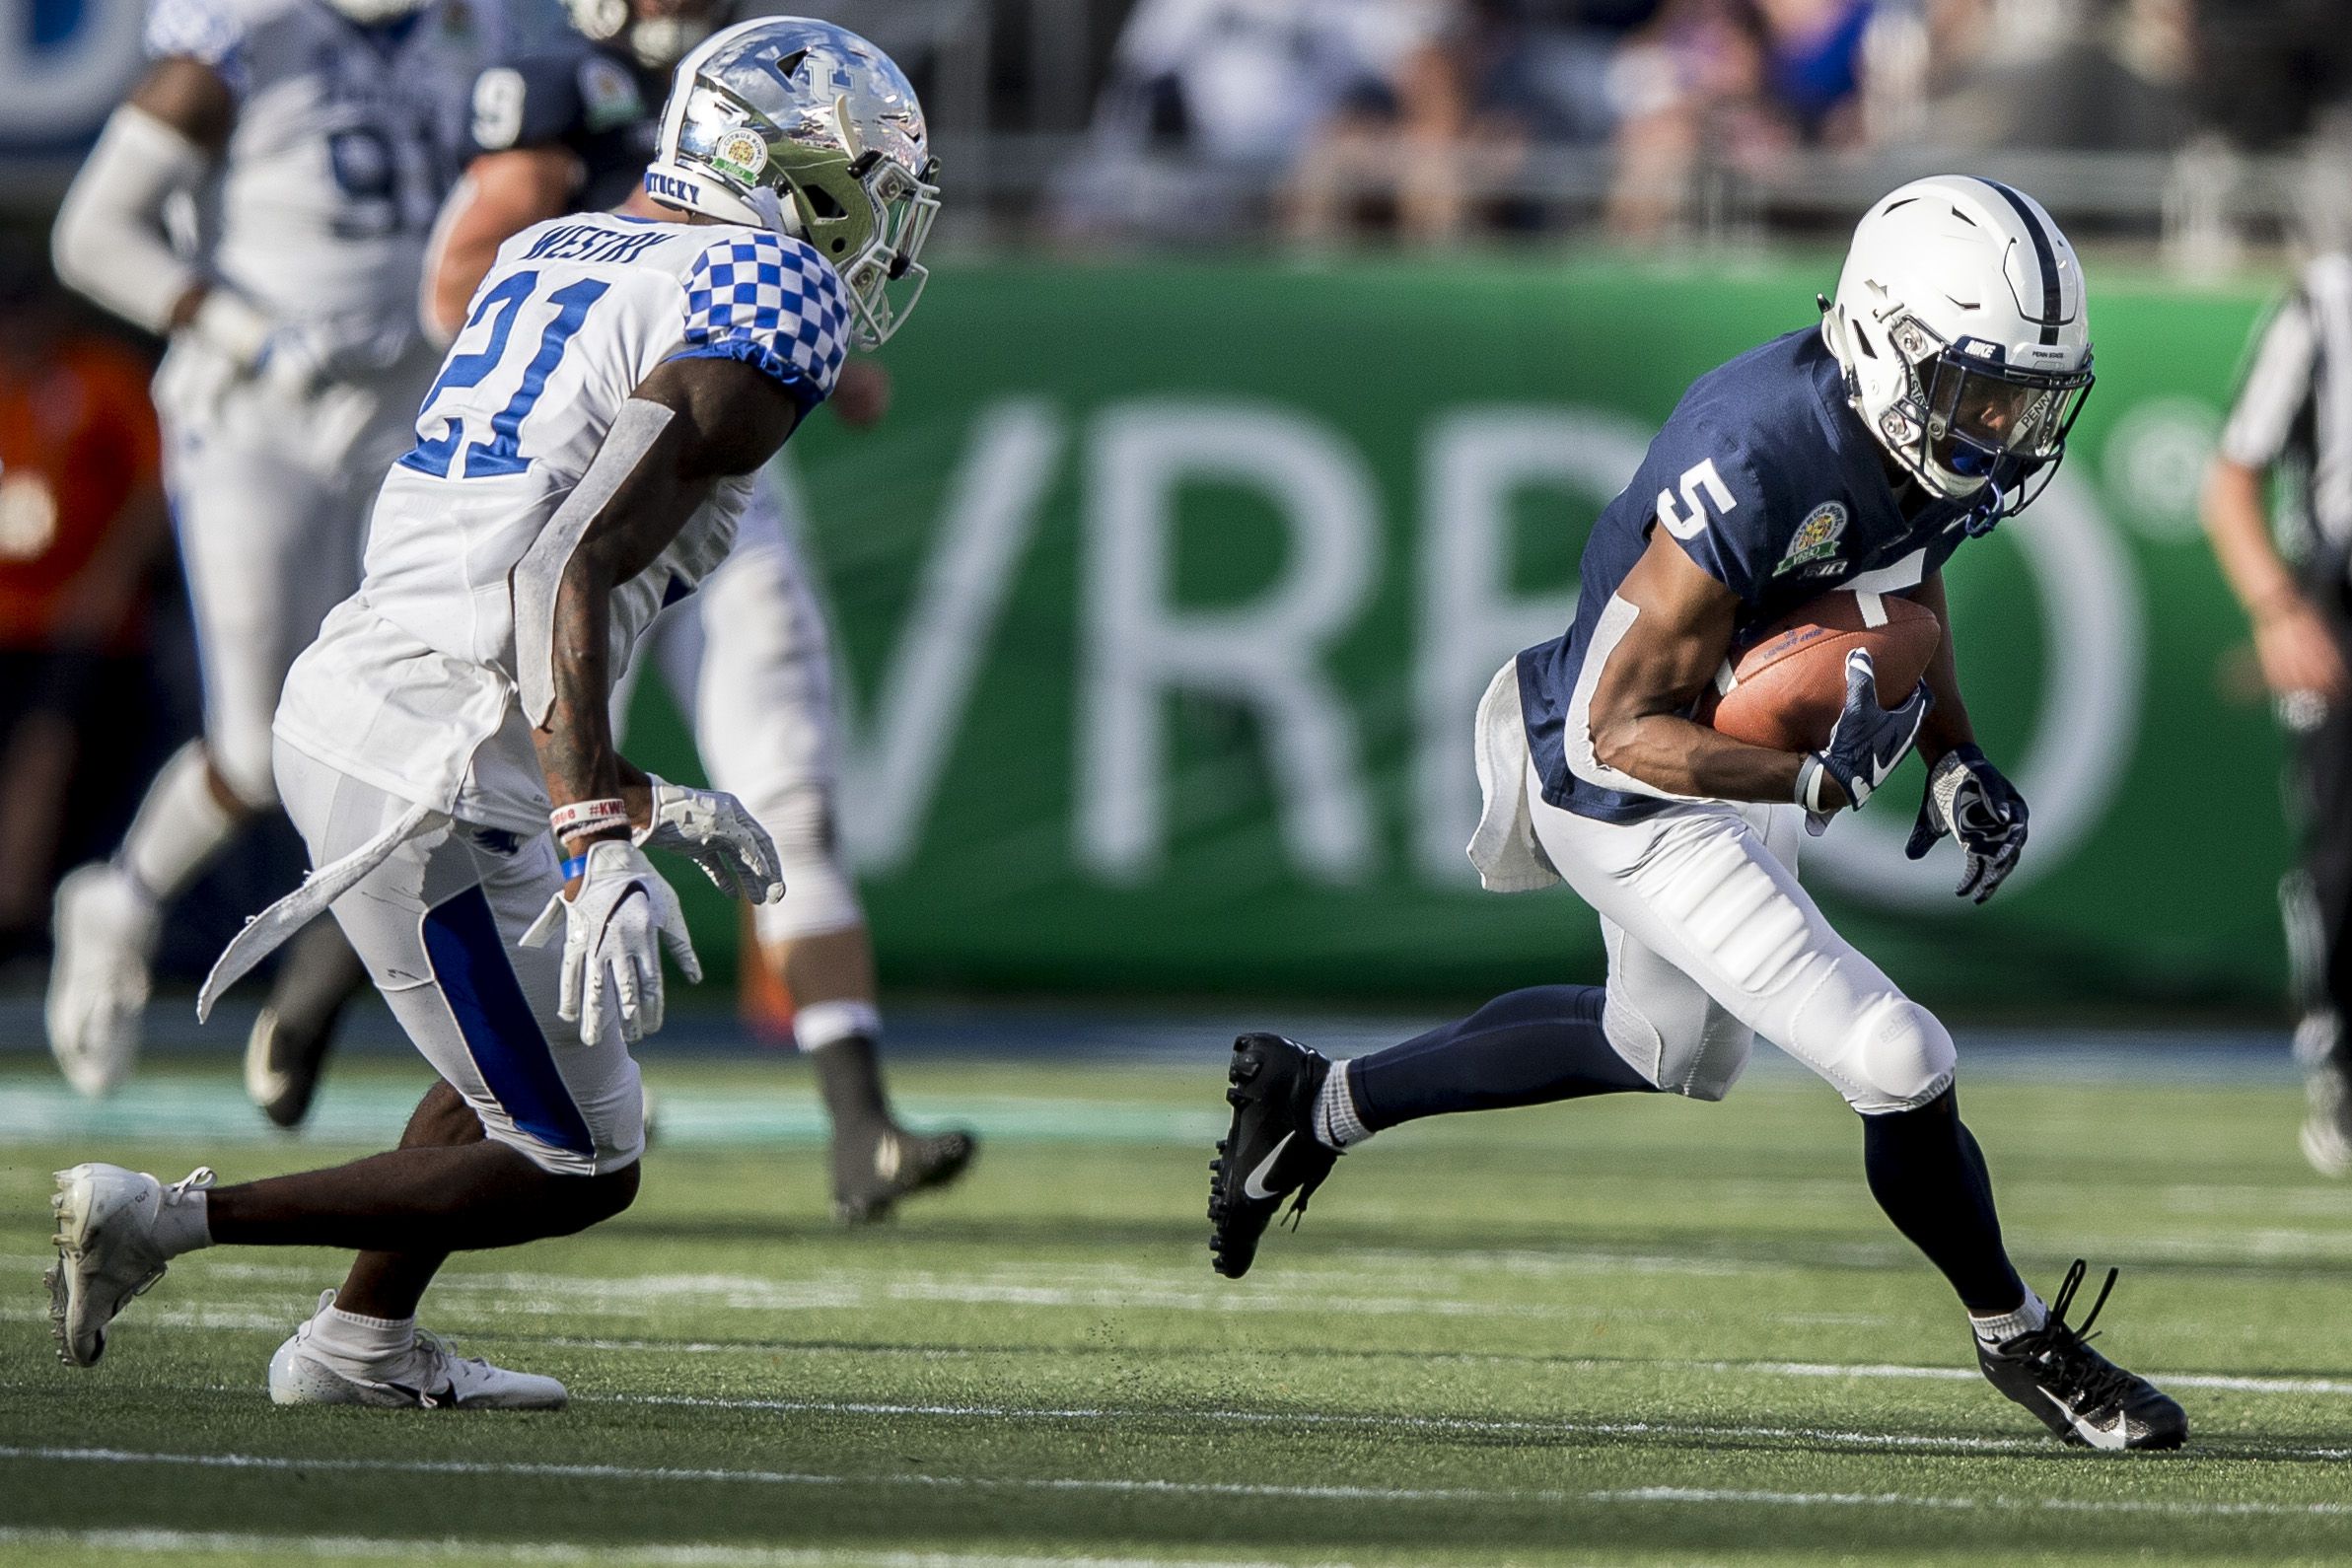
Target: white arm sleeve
x=537, y=575
x=109, y=241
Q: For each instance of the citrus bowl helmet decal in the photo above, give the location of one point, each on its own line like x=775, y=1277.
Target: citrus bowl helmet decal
x=1961, y=323
x=806, y=128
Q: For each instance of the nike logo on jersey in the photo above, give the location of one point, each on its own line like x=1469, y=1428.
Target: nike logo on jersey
x=1254, y=1185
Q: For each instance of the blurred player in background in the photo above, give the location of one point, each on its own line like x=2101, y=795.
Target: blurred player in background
x=82, y=529
x=262, y=199
x=570, y=129
x=445, y=746
x=1933, y=400
x=2294, y=417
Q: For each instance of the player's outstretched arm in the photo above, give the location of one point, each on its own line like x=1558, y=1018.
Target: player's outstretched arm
x=690, y=424
x=1676, y=637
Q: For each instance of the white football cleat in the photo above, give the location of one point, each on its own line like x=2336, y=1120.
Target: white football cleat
x=2327, y=1123
x=107, y=1250
x=428, y=1375
x=105, y=929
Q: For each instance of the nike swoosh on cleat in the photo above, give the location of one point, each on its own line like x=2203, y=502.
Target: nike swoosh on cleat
x=1253, y=1185
x=2117, y=1436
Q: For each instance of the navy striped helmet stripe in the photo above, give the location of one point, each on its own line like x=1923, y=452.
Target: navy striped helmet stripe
x=2044, y=253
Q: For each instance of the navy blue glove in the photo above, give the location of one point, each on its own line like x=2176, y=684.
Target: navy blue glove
x=1866, y=745
x=1967, y=798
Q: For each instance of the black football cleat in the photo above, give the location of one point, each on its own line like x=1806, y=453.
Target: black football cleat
x=286, y=1053
x=1270, y=1151
x=873, y=1171
x=2077, y=1393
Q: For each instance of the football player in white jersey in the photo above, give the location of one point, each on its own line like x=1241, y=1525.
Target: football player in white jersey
x=748, y=660
x=312, y=141
x=580, y=462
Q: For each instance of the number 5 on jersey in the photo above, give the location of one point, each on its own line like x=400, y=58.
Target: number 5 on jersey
x=498, y=449
x=1701, y=488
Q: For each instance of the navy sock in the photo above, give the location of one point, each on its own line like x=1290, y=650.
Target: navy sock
x=1928, y=1174
x=1528, y=1048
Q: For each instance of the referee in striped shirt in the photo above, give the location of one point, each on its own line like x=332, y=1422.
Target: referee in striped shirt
x=2294, y=417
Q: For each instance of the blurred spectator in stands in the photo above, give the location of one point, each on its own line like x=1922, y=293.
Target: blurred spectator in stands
x=1209, y=100
x=82, y=531
x=2065, y=75
x=1500, y=81
x=1694, y=89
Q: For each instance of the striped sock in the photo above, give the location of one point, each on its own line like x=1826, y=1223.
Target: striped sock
x=1336, y=1122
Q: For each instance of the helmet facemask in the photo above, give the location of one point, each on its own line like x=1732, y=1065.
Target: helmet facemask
x=1965, y=420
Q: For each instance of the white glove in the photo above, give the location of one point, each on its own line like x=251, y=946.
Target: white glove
x=614, y=928
x=711, y=828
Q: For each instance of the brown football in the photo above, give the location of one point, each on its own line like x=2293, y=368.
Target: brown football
x=1786, y=688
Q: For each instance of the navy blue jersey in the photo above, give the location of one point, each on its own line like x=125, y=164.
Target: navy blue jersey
x=586, y=98
x=1768, y=479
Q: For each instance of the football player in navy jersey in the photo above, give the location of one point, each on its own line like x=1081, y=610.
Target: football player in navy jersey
x=570, y=128
x=1933, y=400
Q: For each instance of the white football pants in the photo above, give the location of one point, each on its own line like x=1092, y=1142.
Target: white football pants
x=438, y=926
x=271, y=518
x=1711, y=942
x=749, y=657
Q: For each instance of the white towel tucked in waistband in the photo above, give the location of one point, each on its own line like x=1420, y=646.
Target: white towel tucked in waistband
x=1504, y=848
x=265, y=932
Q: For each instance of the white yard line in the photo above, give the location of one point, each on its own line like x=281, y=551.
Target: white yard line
x=723, y=1555
x=1648, y=1496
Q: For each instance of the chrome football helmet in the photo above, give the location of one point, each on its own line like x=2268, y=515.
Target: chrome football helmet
x=806, y=128
x=1962, y=325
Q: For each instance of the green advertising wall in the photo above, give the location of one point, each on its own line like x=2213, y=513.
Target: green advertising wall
x=1166, y=593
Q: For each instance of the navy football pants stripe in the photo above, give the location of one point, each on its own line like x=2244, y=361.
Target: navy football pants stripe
x=502, y=1034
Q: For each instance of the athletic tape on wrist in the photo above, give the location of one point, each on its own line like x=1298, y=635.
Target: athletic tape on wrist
x=1809, y=773
x=575, y=868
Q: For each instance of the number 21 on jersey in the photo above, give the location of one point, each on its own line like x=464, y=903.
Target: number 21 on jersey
x=497, y=448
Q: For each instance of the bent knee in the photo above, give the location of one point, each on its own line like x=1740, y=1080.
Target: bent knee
x=1900, y=1057
x=594, y=1199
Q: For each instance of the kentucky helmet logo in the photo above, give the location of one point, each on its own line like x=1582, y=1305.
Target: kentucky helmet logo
x=1818, y=537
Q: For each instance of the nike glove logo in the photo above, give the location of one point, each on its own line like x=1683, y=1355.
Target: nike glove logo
x=1254, y=1184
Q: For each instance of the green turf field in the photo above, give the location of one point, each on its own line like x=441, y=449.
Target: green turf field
x=1609, y=1333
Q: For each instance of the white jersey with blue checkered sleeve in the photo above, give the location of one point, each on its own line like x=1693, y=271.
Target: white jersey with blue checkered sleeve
x=411, y=684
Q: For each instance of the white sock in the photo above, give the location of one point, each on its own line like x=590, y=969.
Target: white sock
x=180, y=828
x=1337, y=1123
x=822, y=1024
x=184, y=1224
x=359, y=1341
x=2002, y=1328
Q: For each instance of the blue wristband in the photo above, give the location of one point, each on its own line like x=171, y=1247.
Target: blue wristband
x=575, y=868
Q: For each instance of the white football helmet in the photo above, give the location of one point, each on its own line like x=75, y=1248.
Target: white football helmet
x=806, y=128
x=1962, y=325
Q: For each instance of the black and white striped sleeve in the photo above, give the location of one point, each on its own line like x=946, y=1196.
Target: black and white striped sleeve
x=2278, y=385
